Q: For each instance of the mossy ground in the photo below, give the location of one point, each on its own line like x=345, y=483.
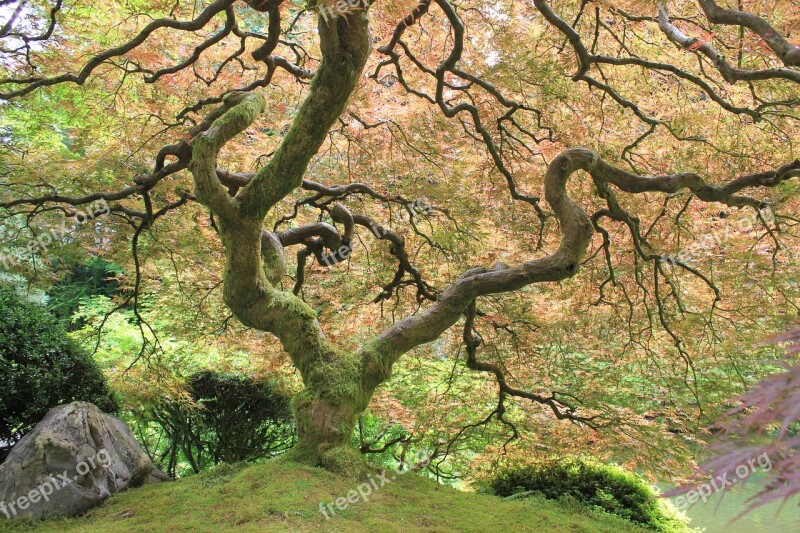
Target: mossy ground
x=283, y=496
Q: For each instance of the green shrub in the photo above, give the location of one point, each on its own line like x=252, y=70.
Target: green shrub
x=40, y=369
x=231, y=418
x=609, y=488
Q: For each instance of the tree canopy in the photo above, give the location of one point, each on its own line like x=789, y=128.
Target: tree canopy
x=571, y=223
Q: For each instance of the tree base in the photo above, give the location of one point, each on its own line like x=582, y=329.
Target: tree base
x=344, y=461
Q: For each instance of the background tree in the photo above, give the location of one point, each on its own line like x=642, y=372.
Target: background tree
x=94, y=277
x=688, y=112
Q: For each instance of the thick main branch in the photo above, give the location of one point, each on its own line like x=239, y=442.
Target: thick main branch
x=790, y=55
x=345, y=47
x=254, y=264
x=577, y=229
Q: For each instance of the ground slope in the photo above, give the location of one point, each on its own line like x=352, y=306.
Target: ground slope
x=280, y=496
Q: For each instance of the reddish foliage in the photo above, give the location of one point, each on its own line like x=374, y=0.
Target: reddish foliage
x=774, y=403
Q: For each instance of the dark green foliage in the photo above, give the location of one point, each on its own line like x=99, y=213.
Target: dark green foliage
x=235, y=417
x=595, y=485
x=95, y=277
x=40, y=369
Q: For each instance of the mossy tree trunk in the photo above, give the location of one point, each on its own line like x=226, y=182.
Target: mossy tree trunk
x=339, y=384
x=327, y=409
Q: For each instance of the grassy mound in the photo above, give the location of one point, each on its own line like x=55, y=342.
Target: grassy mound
x=282, y=496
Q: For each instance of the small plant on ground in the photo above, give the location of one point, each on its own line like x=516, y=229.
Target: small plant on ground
x=609, y=488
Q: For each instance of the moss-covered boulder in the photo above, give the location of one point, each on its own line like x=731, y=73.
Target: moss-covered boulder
x=73, y=459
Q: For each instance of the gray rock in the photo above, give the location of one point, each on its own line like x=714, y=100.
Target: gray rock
x=73, y=459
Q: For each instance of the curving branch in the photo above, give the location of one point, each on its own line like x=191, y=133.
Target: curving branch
x=230, y=25
x=241, y=110
x=332, y=239
x=790, y=55
x=251, y=271
x=397, y=249
x=33, y=83
x=576, y=228
x=730, y=73
x=8, y=28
